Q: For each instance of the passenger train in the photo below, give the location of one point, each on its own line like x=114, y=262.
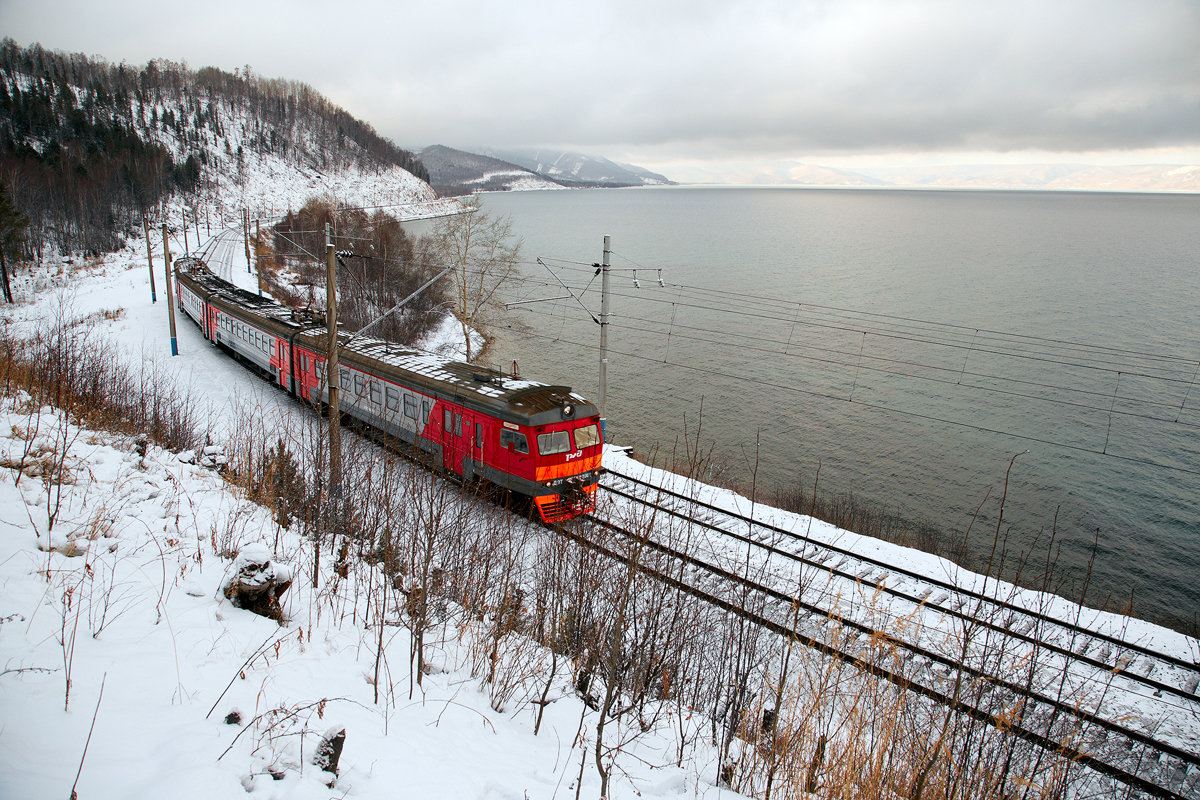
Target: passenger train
x=536, y=440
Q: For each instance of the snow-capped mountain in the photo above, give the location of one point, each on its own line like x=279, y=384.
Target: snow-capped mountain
x=457, y=172
x=577, y=169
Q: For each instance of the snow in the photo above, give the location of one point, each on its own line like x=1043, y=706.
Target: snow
x=124, y=592
x=140, y=610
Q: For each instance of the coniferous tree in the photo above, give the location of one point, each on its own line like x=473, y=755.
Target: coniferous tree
x=12, y=227
x=86, y=146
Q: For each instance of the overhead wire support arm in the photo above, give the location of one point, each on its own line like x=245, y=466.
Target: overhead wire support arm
x=570, y=294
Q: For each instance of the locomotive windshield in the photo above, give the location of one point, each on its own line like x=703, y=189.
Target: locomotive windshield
x=587, y=436
x=553, y=443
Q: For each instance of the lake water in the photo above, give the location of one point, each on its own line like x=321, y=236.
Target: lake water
x=909, y=343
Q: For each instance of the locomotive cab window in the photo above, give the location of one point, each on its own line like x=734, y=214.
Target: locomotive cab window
x=587, y=436
x=514, y=441
x=555, y=442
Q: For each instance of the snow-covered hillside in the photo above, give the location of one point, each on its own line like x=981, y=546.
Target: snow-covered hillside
x=112, y=607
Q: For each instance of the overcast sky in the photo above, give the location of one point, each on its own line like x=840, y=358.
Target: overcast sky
x=699, y=89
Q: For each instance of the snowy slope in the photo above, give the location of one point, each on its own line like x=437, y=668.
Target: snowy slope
x=144, y=546
x=139, y=607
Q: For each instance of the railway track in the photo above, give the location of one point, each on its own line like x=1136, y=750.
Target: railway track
x=1137, y=704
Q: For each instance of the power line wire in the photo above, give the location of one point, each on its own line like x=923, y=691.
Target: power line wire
x=886, y=409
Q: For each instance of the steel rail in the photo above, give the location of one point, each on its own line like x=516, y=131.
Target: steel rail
x=976, y=619
x=1070, y=627
x=909, y=684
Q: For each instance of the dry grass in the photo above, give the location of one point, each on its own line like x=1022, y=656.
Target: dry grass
x=68, y=366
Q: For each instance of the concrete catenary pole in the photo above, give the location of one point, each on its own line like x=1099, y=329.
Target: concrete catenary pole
x=246, y=236
x=604, y=263
x=332, y=379
x=170, y=293
x=257, y=245
x=149, y=257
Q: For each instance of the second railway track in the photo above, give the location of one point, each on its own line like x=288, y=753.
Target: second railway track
x=1139, y=701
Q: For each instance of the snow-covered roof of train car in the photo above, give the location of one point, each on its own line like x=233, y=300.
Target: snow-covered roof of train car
x=508, y=397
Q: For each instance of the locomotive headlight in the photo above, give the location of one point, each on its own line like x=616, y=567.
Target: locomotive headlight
x=568, y=411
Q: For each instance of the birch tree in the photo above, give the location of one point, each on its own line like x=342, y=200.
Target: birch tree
x=484, y=255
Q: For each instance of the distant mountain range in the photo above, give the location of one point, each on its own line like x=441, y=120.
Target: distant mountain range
x=456, y=172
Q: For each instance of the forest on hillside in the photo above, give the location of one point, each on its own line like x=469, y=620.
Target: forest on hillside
x=87, y=147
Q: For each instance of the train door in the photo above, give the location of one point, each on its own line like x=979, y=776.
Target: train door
x=453, y=442
x=282, y=362
x=514, y=458
x=475, y=447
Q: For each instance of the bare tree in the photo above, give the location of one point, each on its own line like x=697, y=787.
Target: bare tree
x=484, y=255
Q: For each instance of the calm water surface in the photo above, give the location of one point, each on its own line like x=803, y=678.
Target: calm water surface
x=909, y=343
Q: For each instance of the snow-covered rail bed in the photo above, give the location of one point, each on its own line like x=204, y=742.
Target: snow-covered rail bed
x=1132, y=685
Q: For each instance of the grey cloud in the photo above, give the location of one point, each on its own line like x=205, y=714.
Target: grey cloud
x=770, y=78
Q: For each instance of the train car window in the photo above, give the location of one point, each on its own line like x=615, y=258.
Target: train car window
x=478, y=435
x=344, y=379
x=303, y=363
x=410, y=406
x=359, y=389
x=320, y=365
x=376, y=396
x=392, y=397
x=587, y=436
x=555, y=442
x=426, y=407
x=446, y=419
x=514, y=440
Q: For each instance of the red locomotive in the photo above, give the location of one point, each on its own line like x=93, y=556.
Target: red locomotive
x=533, y=439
